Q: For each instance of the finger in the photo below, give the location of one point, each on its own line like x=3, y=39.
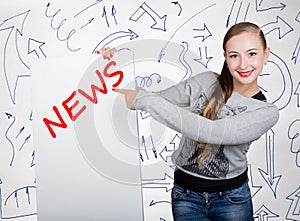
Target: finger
x=121, y=91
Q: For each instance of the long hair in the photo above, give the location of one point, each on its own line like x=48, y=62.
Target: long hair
x=222, y=89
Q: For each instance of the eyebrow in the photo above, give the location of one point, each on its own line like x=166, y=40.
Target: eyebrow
x=251, y=49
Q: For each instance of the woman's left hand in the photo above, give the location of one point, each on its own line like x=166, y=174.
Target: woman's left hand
x=107, y=52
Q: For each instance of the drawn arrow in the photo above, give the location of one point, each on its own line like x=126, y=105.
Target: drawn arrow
x=296, y=93
x=294, y=209
x=166, y=152
x=204, y=33
x=113, y=13
x=114, y=36
x=172, y=142
x=163, y=50
x=152, y=147
x=20, y=131
x=203, y=59
x=254, y=189
x=165, y=183
x=25, y=141
x=238, y=8
x=296, y=52
x=159, y=22
x=180, y=8
x=153, y=202
x=298, y=17
x=144, y=115
x=283, y=27
x=261, y=5
x=145, y=147
x=36, y=47
x=89, y=22
x=285, y=95
x=269, y=176
x=264, y=214
x=12, y=42
x=105, y=16
x=88, y=7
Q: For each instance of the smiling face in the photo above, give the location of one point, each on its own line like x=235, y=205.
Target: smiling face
x=245, y=56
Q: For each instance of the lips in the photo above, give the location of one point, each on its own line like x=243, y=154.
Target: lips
x=245, y=73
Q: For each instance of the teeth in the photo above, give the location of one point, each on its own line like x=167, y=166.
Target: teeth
x=245, y=74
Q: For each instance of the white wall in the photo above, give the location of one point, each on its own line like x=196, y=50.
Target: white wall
x=32, y=31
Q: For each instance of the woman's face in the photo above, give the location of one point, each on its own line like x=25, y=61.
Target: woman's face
x=245, y=57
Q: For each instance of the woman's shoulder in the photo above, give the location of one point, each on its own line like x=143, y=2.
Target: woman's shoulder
x=252, y=103
x=207, y=74
x=205, y=78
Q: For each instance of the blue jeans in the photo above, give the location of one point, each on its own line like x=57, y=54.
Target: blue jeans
x=233, y=205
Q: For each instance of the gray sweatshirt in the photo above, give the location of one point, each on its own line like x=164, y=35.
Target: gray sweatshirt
x=241, y=120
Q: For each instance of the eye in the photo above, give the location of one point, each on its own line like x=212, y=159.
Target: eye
x=233, y=56
x=252, y=54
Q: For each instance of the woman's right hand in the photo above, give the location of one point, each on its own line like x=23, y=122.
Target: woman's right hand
x=129, y=96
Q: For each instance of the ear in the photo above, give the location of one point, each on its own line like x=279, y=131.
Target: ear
x=267, y=52
x=224, y=54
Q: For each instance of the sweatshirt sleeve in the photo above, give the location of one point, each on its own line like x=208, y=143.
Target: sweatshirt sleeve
x=182, y=93
x=238, y=129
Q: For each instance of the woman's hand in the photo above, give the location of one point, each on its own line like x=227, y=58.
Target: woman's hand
x=107, y=53
x=129, y=96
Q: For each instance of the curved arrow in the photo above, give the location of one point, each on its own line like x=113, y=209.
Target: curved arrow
x=283, y=27
x=5, y=26
x=114, y=36
x=286, y=94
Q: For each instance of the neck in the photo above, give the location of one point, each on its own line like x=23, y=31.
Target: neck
x=247, y=90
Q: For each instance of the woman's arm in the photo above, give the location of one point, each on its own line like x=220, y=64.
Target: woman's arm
x=182, y=93
x=241, y=128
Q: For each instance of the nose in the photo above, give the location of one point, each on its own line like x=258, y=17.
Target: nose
x=243, y=63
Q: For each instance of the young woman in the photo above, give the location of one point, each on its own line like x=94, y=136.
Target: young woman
x=219, y=116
